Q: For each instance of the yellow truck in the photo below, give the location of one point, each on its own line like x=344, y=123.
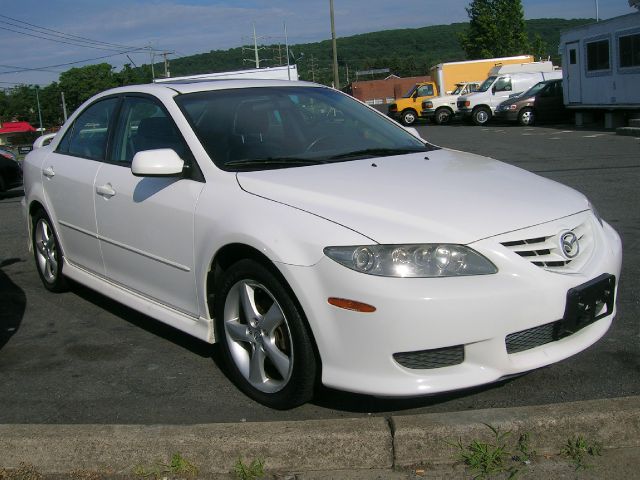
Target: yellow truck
x=446, y=78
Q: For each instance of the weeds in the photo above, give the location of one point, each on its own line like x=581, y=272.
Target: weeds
x=523, y=453
x=487, y=459
x=249, y=472
x=177, y=466
x=577, y=449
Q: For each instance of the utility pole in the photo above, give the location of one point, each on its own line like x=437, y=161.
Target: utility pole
x=597, y=13
x=151, y=59
x=39, y=111
x=255, y=45
x=286, y=43
x=167, y=73
x=64, y=106
x=313, y=69
x=336, y=78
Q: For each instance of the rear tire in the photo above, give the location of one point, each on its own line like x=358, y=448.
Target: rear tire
x=443, y=116
x=481, y=115
x=266, y=344
x=526, y=117
x=47, y=253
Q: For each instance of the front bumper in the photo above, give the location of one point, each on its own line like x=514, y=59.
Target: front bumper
x=412, y=315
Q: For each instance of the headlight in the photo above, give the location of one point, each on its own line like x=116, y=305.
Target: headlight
x=513, y=106
x=417, y=261
x=427, y=104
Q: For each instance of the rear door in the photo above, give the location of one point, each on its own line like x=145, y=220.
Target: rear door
x=68, y=175
x=146, y=224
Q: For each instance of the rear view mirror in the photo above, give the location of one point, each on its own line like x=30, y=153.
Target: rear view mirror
x=163, y=162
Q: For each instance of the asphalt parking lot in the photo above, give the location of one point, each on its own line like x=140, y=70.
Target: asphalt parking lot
x=79, y=357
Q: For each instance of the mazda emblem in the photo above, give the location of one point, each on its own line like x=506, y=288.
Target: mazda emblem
x=569, y=244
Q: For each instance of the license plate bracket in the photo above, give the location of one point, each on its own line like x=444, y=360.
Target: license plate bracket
x=586, y=304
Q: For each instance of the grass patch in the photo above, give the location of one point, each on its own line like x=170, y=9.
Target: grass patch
x=577, y=449
x=487, y=459
x=178, y=465
x=251, y=471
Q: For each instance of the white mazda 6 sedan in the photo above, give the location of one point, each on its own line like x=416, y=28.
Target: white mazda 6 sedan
x=317, y=240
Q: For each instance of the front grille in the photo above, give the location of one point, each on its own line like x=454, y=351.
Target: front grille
x=546, y=252
x=427, y=359
x=530, y=338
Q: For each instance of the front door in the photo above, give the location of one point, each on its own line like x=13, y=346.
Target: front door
x=573, y=72
x=146, y=225
x=68, y=175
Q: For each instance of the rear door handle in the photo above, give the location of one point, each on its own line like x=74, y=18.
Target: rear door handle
x=48, y=172
x=106, y=190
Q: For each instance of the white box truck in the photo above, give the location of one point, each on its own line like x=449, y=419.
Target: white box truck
x=503, y=81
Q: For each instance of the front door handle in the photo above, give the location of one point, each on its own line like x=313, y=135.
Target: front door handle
x=106, y=190
x=48, y=172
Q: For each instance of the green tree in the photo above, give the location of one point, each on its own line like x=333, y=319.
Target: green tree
x=512, y=35
x=79, y=84
x=496, y=29
x=480, y=40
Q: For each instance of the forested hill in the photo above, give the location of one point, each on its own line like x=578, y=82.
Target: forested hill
x=410, y=51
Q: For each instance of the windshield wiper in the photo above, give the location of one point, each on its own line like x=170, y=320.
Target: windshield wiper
x=273, y=161
x=376, y=152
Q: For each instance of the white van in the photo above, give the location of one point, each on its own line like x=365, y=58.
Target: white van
x=481, y=105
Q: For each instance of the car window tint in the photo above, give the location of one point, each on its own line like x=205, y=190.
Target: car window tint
x=144, y=125
x=88, y=136
x=288, y=123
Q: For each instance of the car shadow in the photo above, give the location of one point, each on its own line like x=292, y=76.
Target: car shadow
x=140, y=320
x=13, y=302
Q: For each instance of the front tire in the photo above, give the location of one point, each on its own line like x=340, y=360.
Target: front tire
x=265, y=341
x=47, y=253
x=408, y=117
x=481, y=115
x=443, y=116
x=526, y=117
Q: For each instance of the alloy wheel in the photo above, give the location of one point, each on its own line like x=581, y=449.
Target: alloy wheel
x=258, y=336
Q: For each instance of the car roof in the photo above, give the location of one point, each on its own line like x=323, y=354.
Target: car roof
x=202, y=85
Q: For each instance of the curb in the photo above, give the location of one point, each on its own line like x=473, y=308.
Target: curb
x=344, y=444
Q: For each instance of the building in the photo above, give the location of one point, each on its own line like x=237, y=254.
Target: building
x=380, y=92
x=601, y=65
x=13, y=129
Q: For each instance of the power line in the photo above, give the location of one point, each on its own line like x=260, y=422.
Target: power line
x=66, y=64
x=111, y=49
x=57, y=33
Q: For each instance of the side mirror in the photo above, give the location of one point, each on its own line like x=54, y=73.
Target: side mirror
x=163, y=162
x=493, y=90
x=43, y=140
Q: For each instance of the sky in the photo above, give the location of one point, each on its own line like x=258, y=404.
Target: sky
x=106, y=28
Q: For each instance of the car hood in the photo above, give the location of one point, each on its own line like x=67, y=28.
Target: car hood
x=518, y=99
x=438, y=196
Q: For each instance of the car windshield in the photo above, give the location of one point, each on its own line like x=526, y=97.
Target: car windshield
x=486, y=85
x=534, y=90
x=278, y=127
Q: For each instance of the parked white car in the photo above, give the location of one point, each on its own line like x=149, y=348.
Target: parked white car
x=317, y=240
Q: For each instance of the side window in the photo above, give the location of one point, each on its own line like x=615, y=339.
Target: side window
x=503, y=84
x=144, y=125
x=87, y=138
x=425, y=91
x=598, y=55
